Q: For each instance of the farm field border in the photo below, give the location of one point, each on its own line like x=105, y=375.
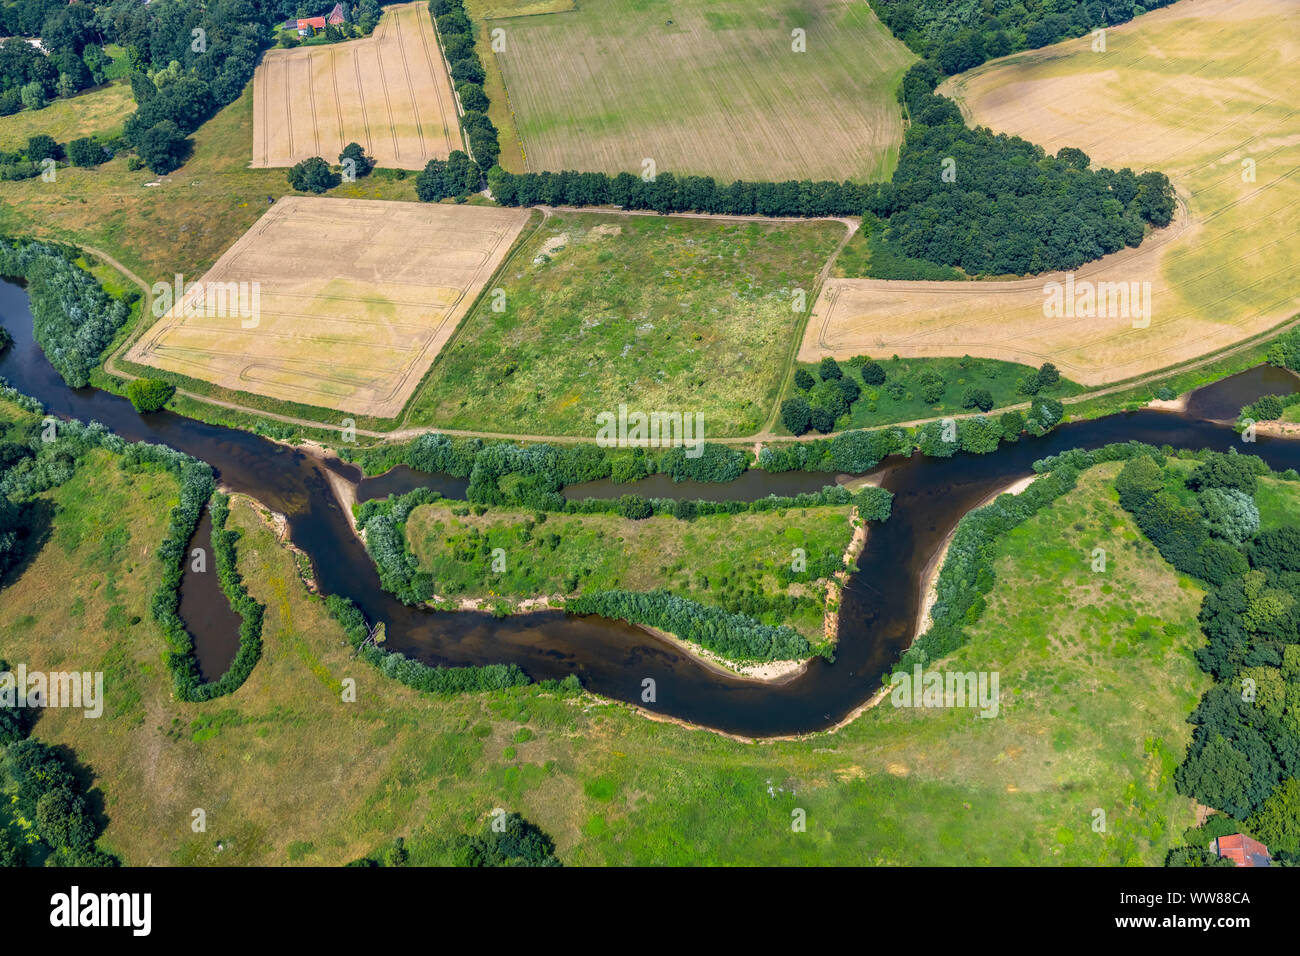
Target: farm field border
x=1228, y=275
x=358, y=340
x=708, y=91
x=390, y=92
x=1099, y=401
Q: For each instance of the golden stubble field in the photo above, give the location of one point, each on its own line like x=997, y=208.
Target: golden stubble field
x=389, y=92
x=1198, y=90
x=337, y=303
x=709, y=87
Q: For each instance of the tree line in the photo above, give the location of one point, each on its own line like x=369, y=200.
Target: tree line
x=456, y=31
x=982, y=202
x=961, y=34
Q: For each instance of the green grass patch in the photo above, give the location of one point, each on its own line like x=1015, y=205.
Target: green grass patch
x=741, y=563
x=662, y=314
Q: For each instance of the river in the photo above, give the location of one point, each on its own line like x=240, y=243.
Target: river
x=878, y=610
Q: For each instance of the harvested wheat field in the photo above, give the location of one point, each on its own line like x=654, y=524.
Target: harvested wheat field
x=389, y=92
x=710, y=87
x=1197, y=90
x=352, y=300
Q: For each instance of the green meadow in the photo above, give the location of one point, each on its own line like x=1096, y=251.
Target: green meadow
x=730, y=561
x=664, y=314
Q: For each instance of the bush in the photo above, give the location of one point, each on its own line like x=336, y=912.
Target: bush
x=86, y=152
x=472, y=97
x=803, y=380
x=42, y=147
x=149, y=394
x=873, y=373
x=353, y=154
x=976, y=397
x=313, y=175
x=1269, y=408
x=73, y=319
x=162, y=147
x=734, y=636
x=796, y=415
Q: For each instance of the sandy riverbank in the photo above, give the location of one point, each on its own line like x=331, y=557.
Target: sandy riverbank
x=930, y=576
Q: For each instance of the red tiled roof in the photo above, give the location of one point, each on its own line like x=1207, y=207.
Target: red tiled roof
x=318, y=22
x=1242, y=850
x=336, y=15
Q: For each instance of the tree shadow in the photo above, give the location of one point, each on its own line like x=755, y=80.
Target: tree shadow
x=37, y=526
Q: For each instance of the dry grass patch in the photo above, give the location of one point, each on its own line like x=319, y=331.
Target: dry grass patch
x=100, y=111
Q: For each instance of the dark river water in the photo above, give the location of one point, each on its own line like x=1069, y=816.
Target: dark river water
x=877, y=614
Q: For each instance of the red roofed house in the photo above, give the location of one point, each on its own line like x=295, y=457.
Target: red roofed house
x=1242, y=850
x=307, y=26
x=336, y=15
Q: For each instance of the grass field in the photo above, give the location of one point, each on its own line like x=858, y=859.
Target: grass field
x=1279, y=503
x=663, y=314
x=1190, y=90
x=288, y=773
x=98, y=112
x=389, y=92
x=356, y=299
x=707, y=86
x=705, y=560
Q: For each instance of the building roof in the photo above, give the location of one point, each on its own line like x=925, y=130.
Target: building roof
x=336, y=15
x=316, y=22
x=1242, y=850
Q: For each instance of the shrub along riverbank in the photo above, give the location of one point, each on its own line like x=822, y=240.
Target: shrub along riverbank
x=73, y=318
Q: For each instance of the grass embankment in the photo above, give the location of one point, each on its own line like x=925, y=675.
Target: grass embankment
x=663, y=314
x=288, y=772
x=731, y=561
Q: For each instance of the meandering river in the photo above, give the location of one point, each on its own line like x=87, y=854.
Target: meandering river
x=878, y=610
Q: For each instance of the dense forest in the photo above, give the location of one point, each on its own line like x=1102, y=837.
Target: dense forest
x=1244, y=759
x=961, y=34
